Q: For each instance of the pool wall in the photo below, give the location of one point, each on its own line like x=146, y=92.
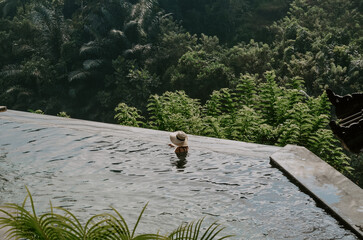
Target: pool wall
x=334, y=191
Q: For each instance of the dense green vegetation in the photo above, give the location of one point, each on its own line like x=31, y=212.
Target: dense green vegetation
x=253, y=110
x=250, y=70
x=24, y=224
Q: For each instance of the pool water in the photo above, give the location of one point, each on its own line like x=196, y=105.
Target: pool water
x=87, y=167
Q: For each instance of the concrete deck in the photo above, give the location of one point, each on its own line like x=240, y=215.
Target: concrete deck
x=338, y=194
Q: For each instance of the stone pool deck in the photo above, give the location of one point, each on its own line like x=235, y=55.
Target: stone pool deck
x=341, y=197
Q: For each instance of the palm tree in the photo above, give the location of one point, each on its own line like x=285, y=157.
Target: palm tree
x=111, y=29
x=9, y=7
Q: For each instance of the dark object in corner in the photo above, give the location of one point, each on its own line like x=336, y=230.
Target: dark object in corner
x=349, y=111
x=3, y=109
x=347, y=105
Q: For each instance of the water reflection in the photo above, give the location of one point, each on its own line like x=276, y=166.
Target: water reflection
x=181, y=162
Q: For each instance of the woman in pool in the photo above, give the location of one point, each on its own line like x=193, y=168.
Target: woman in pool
x=179, y=141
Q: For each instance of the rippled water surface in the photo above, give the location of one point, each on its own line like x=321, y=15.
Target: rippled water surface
x=87, y=171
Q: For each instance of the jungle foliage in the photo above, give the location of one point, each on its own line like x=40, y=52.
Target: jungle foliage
x=252, y=110
x=239, y=66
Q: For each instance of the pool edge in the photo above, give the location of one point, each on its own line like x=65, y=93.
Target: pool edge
x=338, y=195
x=157, y=136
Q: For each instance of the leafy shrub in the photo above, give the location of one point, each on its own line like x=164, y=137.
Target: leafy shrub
x=38, y=111
x=175, y=111
x=128, y=116
x=255, y=110
x=63, y=114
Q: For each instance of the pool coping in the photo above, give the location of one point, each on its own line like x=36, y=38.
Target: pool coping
x=336, y=193
x=152, y=135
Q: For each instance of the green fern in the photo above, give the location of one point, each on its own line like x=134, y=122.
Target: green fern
x=212, y=127
x=220, y=102
x=175, y=111
x=325, y=145
x=53, y=226
x=38, y=111
x=63, y=114
x=25, y=224
x=246, y=125
x=245, y=90
x=268, y=96
x=193, y=231
x=128, y=116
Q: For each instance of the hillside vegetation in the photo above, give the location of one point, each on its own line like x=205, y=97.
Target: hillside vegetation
x=249, y=70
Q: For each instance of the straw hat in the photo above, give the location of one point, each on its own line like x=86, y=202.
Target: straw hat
x=179, y=138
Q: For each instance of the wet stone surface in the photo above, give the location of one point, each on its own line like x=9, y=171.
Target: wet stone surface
x=88, y=169
x=328, y=186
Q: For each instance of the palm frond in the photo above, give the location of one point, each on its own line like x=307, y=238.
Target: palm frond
x=133, y=31
x=78, y=75
x=192, y=231
x=25, y=224
x=70, y=224
x=9, y=7
x=43, y=16
x=90, y=49
x=11, y=72
x=53, y=226
x=22, y=50
x=138, y=220
x=117, y=33
x=119, y=38
x=92, y=64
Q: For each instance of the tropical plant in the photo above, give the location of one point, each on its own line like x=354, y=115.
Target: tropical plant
x=255, y=110
x=269, y=96
x=21, y=223
x=231, y=21
x=198, y=73
x=171, y=43
x=128, y=116
x=175, y=111
x=320, y=43
x=251, y=58
x=38, y=111
x=193, y=231
x=8, y=8
x=63, y=114
x=131, y=84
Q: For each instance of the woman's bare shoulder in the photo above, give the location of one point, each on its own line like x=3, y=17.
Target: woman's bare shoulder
x=182, y=149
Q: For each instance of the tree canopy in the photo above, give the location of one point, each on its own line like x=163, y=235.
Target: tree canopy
x=250, y=70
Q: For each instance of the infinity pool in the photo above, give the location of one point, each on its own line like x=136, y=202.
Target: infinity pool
x=87, y=167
